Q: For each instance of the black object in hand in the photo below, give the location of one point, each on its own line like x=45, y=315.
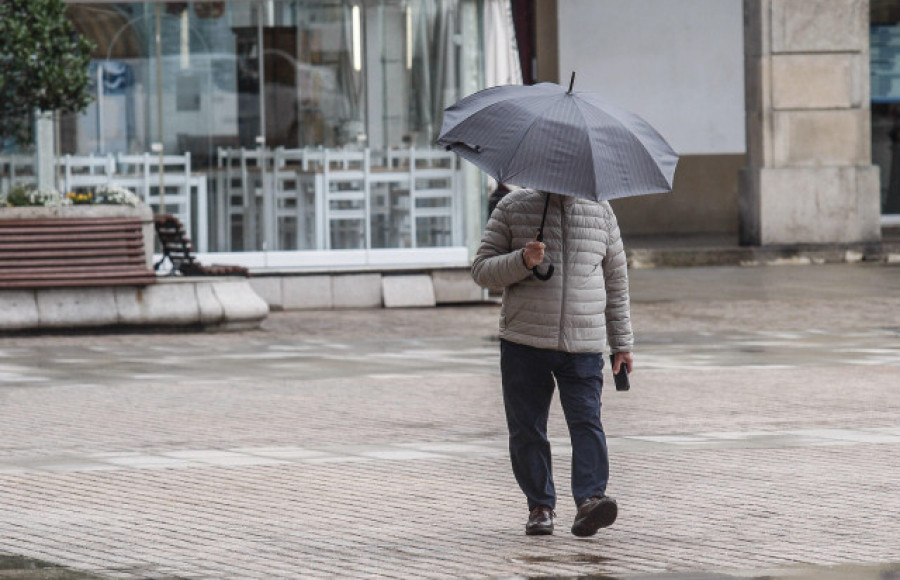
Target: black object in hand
x=622, y=383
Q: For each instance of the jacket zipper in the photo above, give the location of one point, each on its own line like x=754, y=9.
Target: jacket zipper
x=565, y=269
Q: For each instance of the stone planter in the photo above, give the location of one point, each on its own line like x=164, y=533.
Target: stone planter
x=47, y=290
x=105, y=212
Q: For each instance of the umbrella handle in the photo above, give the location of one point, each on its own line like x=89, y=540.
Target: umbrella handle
x=543, y=277
x=540, y=237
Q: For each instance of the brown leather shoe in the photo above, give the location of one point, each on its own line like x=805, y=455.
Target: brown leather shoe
x=540, y=521
x=593, y=514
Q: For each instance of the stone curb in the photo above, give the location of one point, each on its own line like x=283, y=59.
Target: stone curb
x=886, y=252
x=218, y=303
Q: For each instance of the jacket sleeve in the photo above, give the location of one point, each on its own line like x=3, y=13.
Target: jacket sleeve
x=618, y=304
x=496, y=265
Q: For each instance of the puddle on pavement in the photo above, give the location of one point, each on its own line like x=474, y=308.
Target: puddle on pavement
x=23, y=568
x=565, y=559
x=841, y=572
x=562, y=559
x=589, y=577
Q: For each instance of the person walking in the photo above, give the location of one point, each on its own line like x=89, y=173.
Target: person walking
x=553, y=332
x=571, y=151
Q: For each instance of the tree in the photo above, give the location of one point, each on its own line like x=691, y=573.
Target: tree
x=43, y=65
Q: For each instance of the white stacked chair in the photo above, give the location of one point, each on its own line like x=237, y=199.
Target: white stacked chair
x=345, y=215
x=388, y=199
x=294, y=172
x=433, y=205
x=229, y=199
x=86, y=171
x=242, y=198
x=145, y=173
x=16, y=169
x=429, y=214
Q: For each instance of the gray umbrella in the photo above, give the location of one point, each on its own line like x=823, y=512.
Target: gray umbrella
x=574, y=143
x=571, y=143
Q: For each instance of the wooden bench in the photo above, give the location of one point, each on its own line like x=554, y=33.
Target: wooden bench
x=47, y=253
x=177, y=249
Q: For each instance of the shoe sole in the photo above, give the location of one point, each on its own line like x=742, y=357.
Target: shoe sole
x=603, y=515
x=545, y=531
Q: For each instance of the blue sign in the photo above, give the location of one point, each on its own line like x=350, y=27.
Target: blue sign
x=118, y=77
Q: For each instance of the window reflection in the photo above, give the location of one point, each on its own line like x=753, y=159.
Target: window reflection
x=264, y=76
x=294, y=72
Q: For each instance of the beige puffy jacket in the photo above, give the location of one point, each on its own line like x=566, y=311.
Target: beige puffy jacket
x=586, y=301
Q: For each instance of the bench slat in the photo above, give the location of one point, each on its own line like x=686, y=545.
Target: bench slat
x=66, y=273
x=71, y=253
x=103, y=223
x=87, y=229
x=71, y=245
x=68, y=237
x=96, y=263
x=55, y=260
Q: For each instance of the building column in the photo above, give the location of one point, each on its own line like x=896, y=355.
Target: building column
x=809, y=176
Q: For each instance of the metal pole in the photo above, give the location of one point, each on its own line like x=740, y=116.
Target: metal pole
x=100, y=95
x=159, y=108
x=57, y=151
x=261, y=13
x=261, y=63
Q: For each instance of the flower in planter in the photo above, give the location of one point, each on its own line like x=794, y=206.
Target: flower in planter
x=26, y=195
x=81, y=198
x=116, y=195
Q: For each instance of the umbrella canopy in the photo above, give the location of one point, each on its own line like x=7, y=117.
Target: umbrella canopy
x=573, y=143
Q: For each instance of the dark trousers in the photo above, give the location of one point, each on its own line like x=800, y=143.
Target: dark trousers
x=528, y=384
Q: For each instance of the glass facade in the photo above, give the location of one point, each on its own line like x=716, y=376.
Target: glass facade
x=885, y=93
x=296, y=73
x=257, y=92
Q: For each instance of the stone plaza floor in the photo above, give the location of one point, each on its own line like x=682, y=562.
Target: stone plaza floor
x=761, y=438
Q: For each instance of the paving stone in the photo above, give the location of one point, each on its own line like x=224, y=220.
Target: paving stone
x=373, y=444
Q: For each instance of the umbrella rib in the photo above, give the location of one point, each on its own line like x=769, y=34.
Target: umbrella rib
x=641, y=143
x=515, y=150
x=584, y=122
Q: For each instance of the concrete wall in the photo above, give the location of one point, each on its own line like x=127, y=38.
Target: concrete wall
x=654, y=57
x=704, y=200
x=677, y=64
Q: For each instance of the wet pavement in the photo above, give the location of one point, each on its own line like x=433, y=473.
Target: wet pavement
x=31, y=569
x=760, y=440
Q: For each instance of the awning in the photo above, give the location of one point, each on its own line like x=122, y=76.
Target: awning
x=111, y=32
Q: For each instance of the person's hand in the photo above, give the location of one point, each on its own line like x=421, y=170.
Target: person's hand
x=534, y=253
x=621, y=358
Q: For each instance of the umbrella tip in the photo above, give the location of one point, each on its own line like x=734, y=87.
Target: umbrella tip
x=571, y=83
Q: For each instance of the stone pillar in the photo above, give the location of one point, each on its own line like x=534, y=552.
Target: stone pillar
x=809, y=176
